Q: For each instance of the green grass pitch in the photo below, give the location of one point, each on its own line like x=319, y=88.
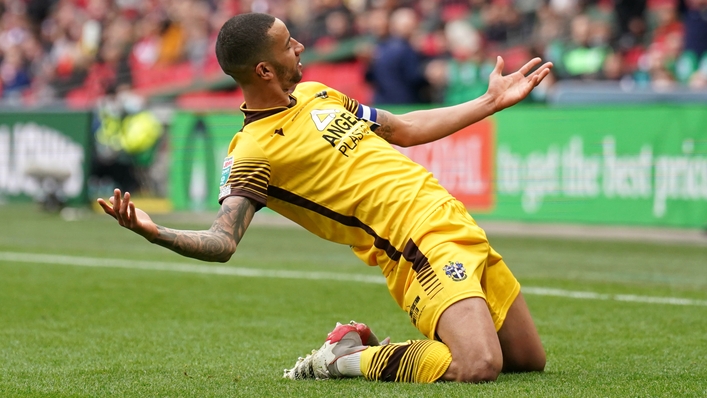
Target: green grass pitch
x=88, y=309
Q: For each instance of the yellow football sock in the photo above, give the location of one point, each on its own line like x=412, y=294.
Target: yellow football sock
x=415, y=361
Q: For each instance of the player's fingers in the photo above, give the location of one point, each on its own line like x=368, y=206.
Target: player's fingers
x=117, y=205
x=529, y=66
x=124, y=208
x=541, y=75
x=499, y=66
x=106, y=208
x=115, y=200
x=543, y=68
x=133, y=218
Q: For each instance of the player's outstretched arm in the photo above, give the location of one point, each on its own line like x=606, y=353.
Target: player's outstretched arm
x=218, y=243
x=421, y=127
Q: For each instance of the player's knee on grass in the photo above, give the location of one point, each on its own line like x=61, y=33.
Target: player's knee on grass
x=534, y=362
x=522, y=349
x=477, y=370
x=537, y=364
x=467, y=329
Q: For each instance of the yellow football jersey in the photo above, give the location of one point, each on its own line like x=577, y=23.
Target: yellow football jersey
x=318, y=163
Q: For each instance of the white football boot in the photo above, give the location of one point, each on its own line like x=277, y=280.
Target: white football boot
x=344, y=340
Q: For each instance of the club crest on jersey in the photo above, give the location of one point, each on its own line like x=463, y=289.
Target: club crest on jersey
x=455, y=270
x=322, y=117
x=226, y=171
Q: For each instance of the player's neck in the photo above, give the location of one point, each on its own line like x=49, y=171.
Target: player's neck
x=265, y=96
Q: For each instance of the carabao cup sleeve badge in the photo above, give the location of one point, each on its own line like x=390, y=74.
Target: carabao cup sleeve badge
x=226, y=171
x=224, y=188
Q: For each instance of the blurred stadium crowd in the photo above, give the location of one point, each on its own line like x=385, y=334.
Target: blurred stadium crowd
x=412, y=51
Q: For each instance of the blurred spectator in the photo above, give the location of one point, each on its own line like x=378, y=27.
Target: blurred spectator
x=38, y=10
x=527, y=11
x=695, y=20
x=331, y=20
x=110, y=70
x=172, y=38
x=583, y=55
x=613, y=67
x=630, y=22
x=78, y=49
x=395, y=68
x=502, y=23
x=691, y=66
x=630, y=41
x=658, y=65
x=698, y=80
x=463, y=76
x=549, y=28
x=565, y=8
x=338, y=27
x=14, y=74
x=196, y=26
x=429, y=39
x=147, y=41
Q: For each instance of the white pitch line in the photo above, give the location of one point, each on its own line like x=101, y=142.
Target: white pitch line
x=183, y=267
x=543, y=291
x=284, y=274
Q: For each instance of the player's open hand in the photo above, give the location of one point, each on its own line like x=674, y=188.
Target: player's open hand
x=123, y=210
x=510, y=89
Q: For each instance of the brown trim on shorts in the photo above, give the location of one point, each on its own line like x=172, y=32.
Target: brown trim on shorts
x=421, y=265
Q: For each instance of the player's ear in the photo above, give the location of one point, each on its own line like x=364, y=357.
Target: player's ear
x=264, y=71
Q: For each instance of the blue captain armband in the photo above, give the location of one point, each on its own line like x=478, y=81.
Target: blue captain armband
x=368, y=114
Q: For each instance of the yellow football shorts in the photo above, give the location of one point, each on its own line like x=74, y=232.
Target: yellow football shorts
x=449, y=259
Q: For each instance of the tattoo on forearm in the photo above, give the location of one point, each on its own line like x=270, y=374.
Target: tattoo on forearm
x=215, y=244
x=385, y=130
x=232, y=219
x=203, y=245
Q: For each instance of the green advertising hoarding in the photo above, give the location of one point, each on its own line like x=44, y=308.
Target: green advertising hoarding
x=199, y=144
x=49, y=143
x=642, y=165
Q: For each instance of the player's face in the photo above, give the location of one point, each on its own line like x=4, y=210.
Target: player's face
x=286, y=55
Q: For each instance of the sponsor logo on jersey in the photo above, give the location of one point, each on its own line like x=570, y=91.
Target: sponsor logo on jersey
x=455, y=270
x=322, y=117
x=278, y=132
x=226, y=171
x=321, y=94
x=342, y=130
